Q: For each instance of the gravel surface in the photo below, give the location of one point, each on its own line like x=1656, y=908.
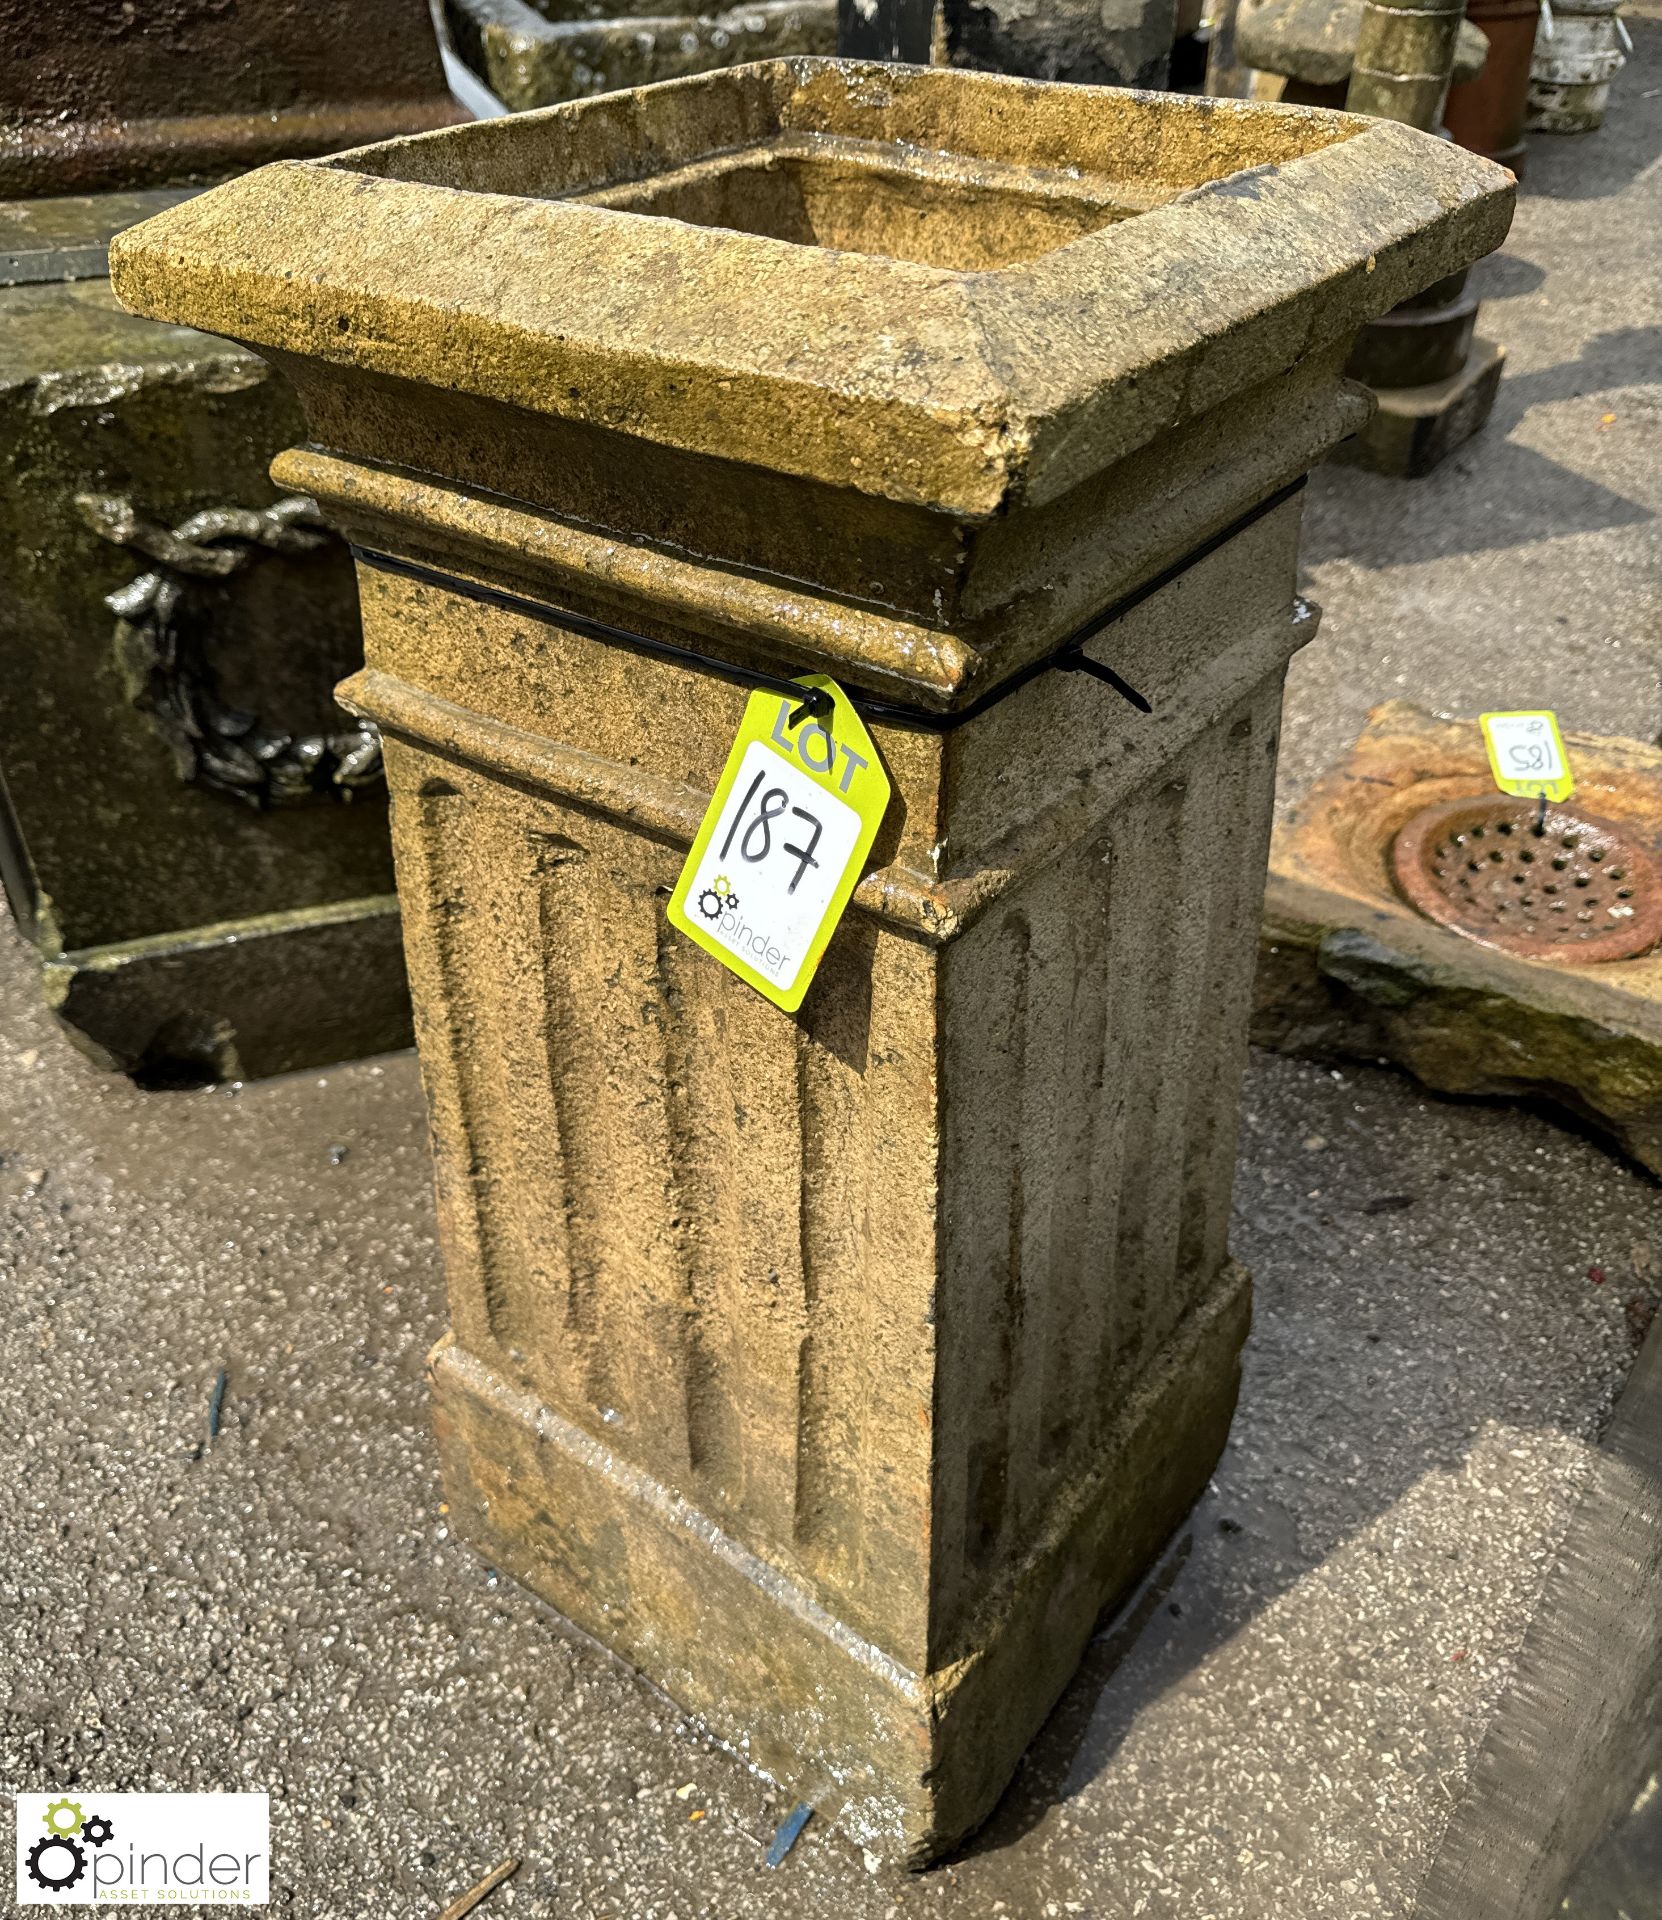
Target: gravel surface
x=1275, y=1730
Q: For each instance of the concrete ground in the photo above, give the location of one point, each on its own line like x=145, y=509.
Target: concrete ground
x=1447, y=1297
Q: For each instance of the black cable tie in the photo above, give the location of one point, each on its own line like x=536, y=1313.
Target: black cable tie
x=1080, y=663
x=815, y=700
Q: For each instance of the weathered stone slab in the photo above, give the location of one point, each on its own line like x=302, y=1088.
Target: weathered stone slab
x=1349, y=970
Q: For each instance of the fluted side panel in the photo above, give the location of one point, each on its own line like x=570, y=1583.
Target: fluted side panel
x=665, y=1197
x=1215, y=1115
x=1090, y=1129
x=430, y=828
x=1179, y=866
x=733, y=1092
x=514, y=1116
x=1062, y=1128
x=990, y=1208
x=1080, y=1223
x=868, y=1227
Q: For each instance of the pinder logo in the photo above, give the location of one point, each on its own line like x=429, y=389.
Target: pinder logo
x=143, y=1849
x=718, y=898
x=57, y=1859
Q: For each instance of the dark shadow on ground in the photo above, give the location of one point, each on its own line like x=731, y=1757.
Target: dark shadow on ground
x=1504, y=276
x=1624, y=357
x=1380, y=522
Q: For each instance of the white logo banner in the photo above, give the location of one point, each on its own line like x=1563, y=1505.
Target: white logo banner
x=86, y=1849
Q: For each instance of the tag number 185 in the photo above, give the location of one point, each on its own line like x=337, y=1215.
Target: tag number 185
x=756, y=842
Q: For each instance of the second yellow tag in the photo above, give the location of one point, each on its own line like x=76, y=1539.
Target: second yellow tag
x=1526, y=755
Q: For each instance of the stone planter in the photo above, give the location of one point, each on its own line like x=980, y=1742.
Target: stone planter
x=1487, y=113
x=1570, y=74
x=195, y=906
x=838, y=1368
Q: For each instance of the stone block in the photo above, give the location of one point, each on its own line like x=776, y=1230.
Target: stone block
x=1314, y=43
x=150, y=856
x=1099, y=43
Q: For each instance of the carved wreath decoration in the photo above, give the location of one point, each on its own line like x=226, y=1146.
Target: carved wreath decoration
x=215, y=744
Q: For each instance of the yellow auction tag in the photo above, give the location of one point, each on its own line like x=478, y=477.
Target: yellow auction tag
x=1526, y=755
x=784, y=841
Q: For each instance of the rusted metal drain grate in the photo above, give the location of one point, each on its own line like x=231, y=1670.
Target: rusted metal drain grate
x=1577, y=889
